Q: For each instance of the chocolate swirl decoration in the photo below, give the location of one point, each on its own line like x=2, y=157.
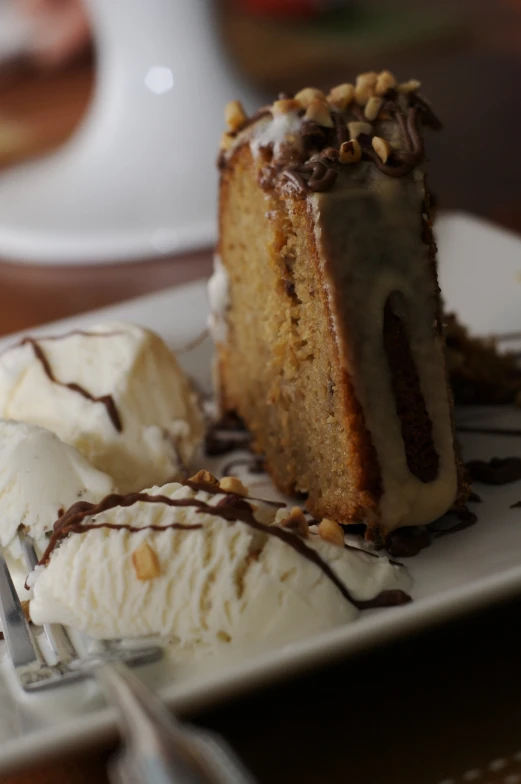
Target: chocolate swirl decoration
x=318, y=171
x=321, y=176
x=401, y=163
x=232, y=508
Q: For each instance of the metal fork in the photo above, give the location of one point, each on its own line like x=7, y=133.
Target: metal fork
x=158, y=749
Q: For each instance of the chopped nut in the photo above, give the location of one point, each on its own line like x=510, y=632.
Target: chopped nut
x=382, y=148
x=331, y=531
x=373, y=107
x=285, y=106
x=385, y=81
x=365, y=87
x=350, y=152
x=341, y=95
x=234, y=115
x=367, y=79
x=296, y=522
x=25, y=608
x=145, y=562
x=233, y=485
x=410, y=86
x=363, y=93
x=308, y=94
x=204, y=476
x=226, y=141
x=356, y=128
x=318, y=112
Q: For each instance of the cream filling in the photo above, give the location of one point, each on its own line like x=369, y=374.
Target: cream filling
x=373, y=232
x=219, y=298
x=274, y=132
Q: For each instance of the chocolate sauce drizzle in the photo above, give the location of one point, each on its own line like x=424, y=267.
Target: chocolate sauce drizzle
x=497, y=471
x=466, y=518
x=407, y=542
x=231, y=508
x=64, y=336
x=321, y=176
x=319, y=170
x=105, y=400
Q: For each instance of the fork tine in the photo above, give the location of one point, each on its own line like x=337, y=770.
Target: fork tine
x=20, y=643
x=56, y=635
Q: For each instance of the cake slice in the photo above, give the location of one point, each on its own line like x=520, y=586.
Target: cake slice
x=325, y=302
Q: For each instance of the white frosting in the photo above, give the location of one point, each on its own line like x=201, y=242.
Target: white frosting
x=221, y=586
x=39, y=476
x=159, y=414
x=219, y=298
x=375, y=232
x=273, y=132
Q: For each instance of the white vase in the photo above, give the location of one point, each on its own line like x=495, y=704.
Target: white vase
x=138, y=178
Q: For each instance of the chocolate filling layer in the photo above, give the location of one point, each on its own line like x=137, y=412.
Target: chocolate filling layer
x=422, y=458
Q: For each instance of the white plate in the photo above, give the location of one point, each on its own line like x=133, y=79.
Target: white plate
x=456, y=574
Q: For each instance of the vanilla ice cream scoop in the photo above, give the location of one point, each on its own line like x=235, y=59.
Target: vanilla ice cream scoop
x=206, y=568
x=40, y=477
x=115, y=392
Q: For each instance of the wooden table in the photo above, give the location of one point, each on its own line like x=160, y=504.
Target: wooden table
x=420, y=711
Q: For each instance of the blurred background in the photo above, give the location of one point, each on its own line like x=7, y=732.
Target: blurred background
x=467, y=55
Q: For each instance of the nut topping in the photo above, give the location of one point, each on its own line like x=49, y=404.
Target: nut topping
x=204, y=476
x=318, y=112
x=386, y=81
x=409, y=87
x=234, y=115
x=331, y=531
x=226, y=141
x=367, y=79
x=341, y=96
x=372, y=107
x=296, y=522
x=145, y=562
x=233, y=485
x=350, y=152
x=382, y=148
x=285, y=106
x=365, y=87
x=356, y=128
x=307, y=95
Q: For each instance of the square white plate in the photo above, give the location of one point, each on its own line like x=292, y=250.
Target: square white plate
x=480, y=273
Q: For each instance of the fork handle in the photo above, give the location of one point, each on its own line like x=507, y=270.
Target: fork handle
x=158, y=749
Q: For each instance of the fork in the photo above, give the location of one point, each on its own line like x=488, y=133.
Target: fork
x=158, y=749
